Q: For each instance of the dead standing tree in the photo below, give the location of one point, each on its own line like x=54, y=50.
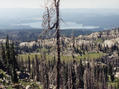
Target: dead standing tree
x=51, y=20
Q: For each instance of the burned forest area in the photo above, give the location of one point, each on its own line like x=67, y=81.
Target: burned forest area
x=56, y=58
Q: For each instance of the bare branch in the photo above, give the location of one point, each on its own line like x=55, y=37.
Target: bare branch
x=52, y=14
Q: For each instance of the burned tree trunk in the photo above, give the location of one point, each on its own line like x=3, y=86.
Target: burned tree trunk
x=58, y=45
x=52, y=12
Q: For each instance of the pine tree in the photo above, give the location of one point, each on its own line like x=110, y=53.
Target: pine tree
x=73, y=77
x=3, y=60
x=29, y=64
x=10, y=60
x=80, y=72
x=37, y=68
x=7, y=53
x=14, y=64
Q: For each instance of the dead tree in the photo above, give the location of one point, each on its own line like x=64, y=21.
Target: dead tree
x=51, y=20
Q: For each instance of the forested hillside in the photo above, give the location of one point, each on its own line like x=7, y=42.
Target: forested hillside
x=34, y=34
x=87, y=62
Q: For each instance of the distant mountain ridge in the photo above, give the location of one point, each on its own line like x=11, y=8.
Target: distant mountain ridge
x=33, y=34
x=73, y=18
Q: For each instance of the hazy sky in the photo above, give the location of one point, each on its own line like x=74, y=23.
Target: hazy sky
x=65, y=3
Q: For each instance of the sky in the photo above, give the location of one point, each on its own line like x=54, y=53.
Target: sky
x=64, y=3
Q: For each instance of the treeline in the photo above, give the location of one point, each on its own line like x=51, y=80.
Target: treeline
x=33, y=34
